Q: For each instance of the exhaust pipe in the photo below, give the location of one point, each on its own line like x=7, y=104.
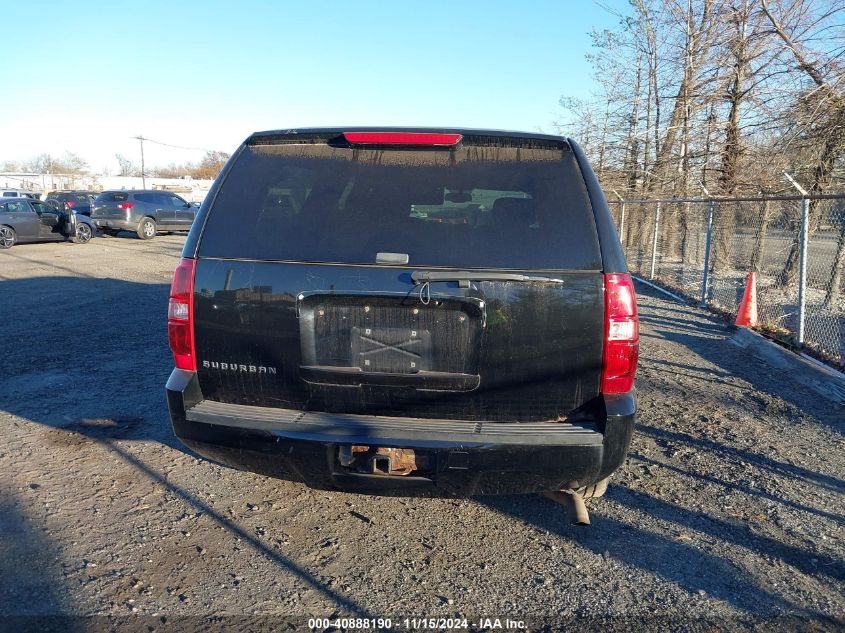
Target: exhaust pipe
x=575, y=507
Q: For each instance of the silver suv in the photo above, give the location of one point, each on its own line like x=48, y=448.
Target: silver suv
x=19, y=193
x=144, y=212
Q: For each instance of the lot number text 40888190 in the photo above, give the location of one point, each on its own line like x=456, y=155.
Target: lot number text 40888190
x=416, y=624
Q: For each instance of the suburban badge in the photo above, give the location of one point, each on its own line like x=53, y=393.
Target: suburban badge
x=244, y=369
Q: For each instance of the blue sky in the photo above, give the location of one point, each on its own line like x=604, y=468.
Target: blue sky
x=206, y=74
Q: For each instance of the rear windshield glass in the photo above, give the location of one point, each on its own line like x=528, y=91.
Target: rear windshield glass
x=111, y=196
x=476, y=207
x=79, y=197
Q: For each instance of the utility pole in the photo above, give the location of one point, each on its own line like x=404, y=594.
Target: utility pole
x=143, y=175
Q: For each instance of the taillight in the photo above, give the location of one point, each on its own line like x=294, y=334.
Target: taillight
x=621, y=334
x=402, y=138
x=125, y=205
x=70, y=204
x=180, y=315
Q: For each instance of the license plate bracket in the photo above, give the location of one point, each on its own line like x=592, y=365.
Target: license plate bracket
x=391, y=350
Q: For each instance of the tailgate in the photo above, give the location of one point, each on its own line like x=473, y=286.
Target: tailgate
x=307, y=337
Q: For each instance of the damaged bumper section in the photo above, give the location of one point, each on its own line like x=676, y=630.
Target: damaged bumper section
x=402, y=456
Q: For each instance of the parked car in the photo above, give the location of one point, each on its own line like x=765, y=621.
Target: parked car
x=144, y=212
x=77, y=201
x=406, y=312
x=19, y=193
x=25, y=220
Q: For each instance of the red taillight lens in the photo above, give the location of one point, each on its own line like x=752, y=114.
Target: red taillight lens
x=125, y=205
x=402, y=138
x=622, y=334
x=70, y=204
x=180, y=315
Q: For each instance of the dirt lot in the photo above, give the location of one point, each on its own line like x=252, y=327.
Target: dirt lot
x=729, y=511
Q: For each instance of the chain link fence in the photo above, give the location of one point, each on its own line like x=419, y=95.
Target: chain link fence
x=795, y=245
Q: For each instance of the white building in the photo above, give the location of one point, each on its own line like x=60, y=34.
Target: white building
x=190, y=189
x=42, y=183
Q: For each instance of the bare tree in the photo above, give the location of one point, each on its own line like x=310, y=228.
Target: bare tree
x=744, y=45
x=126, y=167
x=69, y=163
x=730, y=92
x=210, y=165
x=72, y=163
x=823, y=110
x=12, y=165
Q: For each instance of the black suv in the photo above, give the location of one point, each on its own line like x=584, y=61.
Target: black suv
x=433, y=312
x=77, y=201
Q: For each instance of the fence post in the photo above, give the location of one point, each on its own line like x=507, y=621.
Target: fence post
x=654, y=241
x=802, y=268
x=802, y=255
x=707, y=241
x=621, y=214
x=622, y=221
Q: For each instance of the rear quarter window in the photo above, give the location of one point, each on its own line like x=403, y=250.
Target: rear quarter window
x=17, y=207
x=105, y=198
x=507, y=207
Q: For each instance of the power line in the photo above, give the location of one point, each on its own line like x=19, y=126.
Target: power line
x=197, y=149
x=149, y=140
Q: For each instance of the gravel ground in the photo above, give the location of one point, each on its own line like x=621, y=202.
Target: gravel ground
x=729, y=512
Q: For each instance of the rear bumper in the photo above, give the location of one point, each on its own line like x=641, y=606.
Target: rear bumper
x=110, y=223
x=463, y=458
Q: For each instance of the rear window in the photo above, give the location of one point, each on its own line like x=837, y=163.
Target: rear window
x=111, y=196
x=81, y=198
x=501, y=206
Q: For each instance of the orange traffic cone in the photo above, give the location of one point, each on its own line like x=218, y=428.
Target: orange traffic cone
x=747, y=313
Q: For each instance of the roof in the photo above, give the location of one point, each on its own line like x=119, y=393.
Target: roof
x=330, y=132
x=140, y=191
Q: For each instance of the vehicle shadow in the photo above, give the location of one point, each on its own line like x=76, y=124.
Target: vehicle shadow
x=725, y=381
x=50, y=610
x=33, y=589
x=738, y=486
x=716, y=390
x=681, y=324
x=280, y=560
x=18, y=251
x=91, y=361
x=756, y=459
x=811, y=563
x=676, y=560
x=104, y=382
